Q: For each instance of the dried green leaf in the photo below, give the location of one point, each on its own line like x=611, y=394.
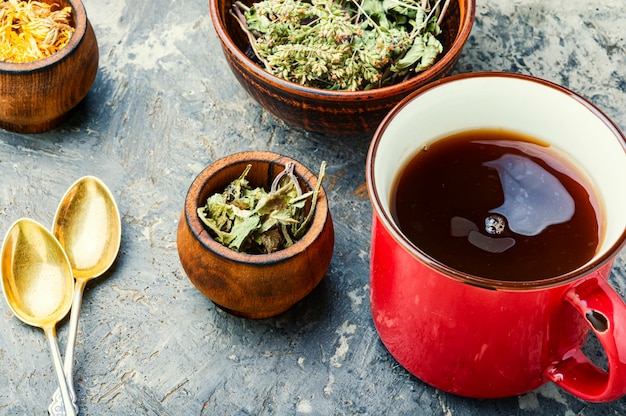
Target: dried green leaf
x=277, y=200
x=217, y=209
x=401, y=8
x=243, y=229
x=283, y=217
x=222, y=237
x=377, y=13
x=421, y=55
x=234, y=189
x=251, y=220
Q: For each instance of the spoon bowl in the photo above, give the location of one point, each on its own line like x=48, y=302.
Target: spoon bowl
x=37, y=285
x=36, y=275
x=88, y=226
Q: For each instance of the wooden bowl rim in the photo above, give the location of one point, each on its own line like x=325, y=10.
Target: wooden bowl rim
x=198, y=230
x=466, y=23
x=80, y=18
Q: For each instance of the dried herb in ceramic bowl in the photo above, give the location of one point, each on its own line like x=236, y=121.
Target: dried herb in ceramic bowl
x=254, y=221
x=343, y=44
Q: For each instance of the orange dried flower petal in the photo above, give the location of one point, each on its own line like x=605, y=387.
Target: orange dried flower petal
x=31, y=30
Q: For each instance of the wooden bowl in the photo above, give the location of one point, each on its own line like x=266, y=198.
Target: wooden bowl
x=253, y=285
x=38, y=96
x=333, y=112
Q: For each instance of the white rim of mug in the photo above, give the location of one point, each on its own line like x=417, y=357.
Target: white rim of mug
x=390, y=226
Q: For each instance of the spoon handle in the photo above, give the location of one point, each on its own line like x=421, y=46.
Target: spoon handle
x=56, y=358
x=55, y=408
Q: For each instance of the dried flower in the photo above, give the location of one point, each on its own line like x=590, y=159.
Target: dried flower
x=343, y=44
x=32, y=30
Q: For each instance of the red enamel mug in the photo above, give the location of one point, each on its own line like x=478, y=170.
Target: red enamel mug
x=487, y=338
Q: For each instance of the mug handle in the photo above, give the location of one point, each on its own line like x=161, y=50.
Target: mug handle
x=605, y=311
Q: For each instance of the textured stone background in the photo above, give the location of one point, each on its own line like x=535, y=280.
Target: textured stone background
x=163, y=106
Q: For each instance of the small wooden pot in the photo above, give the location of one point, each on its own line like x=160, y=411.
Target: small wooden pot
x=38, y=96
x=253, y=285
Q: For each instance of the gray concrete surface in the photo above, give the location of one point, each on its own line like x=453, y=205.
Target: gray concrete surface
x=163, y=106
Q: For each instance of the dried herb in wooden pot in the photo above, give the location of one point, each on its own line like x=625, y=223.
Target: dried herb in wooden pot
x=254, y=221
x=32, y=30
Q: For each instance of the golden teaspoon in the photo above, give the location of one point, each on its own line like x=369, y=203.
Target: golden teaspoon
x=38, y=285
x=88, y=226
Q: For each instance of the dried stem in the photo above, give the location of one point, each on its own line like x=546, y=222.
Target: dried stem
x=305, y=224
x=235, y=11
x=443, y=12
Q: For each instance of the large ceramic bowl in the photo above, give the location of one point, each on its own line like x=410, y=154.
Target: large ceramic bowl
x=333, y=112
x=38, y=96
x=253, y=285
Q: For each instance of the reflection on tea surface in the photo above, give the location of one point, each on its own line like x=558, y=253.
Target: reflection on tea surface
x=499, y=205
